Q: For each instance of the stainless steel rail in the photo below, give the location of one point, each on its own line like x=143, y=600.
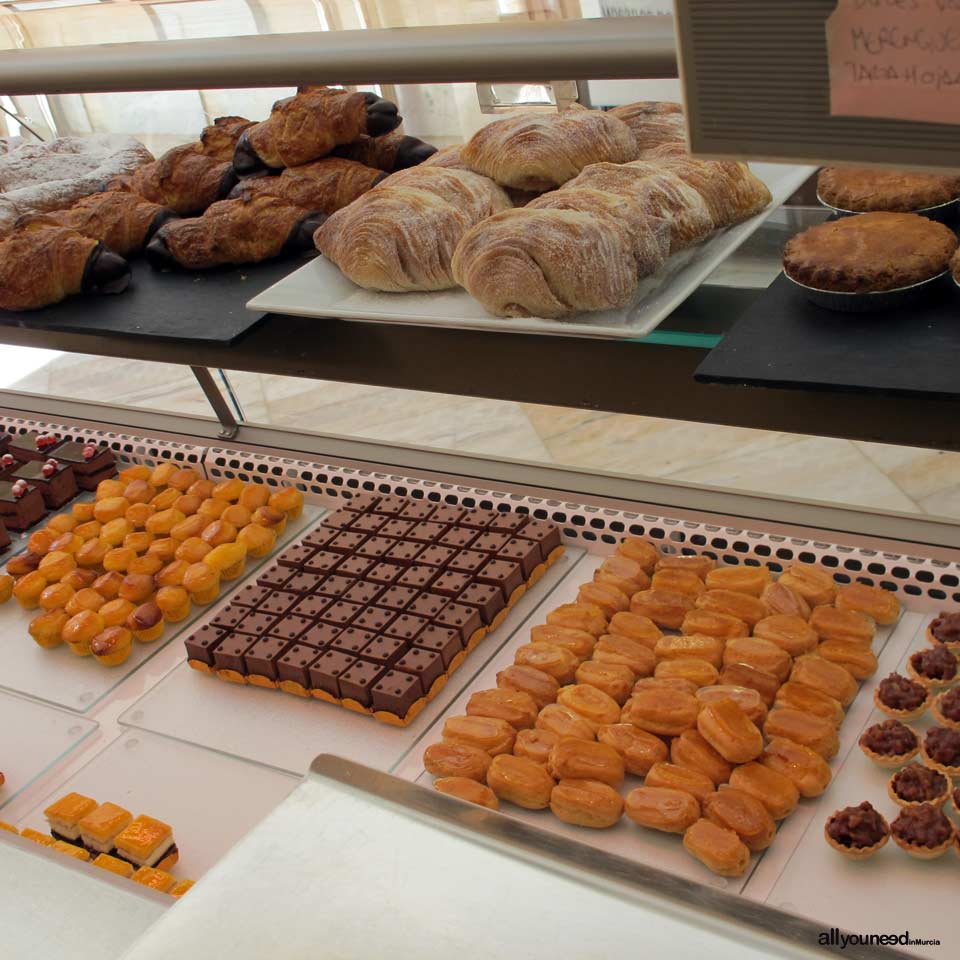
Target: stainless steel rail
x=625, y=48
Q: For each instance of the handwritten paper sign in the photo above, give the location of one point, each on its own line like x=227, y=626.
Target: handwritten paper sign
x=897, y=59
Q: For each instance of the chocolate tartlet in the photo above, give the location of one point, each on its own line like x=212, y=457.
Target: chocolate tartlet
x=899, y=696
x=889, y=743
x=856, y=832
x=860, y=190
x=916, y=784
x=922, y=831
x=941, y=750
x=869, y=254
x=955, y=800
x=933, y=667
x=945, y=631
x=946, y=709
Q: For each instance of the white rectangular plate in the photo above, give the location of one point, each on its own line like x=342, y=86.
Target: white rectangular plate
x=318, y=289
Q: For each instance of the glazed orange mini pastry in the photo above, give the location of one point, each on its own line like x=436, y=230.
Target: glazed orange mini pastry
x=289, y=500
x=749, y=701
x=666, y=608
x=848, y=625
x=47, y=629
x=805, y=768
x=486, y=733
x=875, y=602
x=696, y=646
x=798, y=696
x=228, y=559
x=517, y=708
x=791, y=634
x=192, y=550
x=80, y=629
x=675, y=777
x=676, y=580
x=778, y=793
x=665, y=683
x=252, y=495
x=623, y=573
x=465, y=789
x=236, y=514
x=146, y=622
x=6, y=591
x=712, y=624
x=856, y=832
x=635, y=627
x=542, y=687
x=565, y=722
x=661, y=711
x=174, y=603
x=814, y=732
x=746, y=816
x=202, y=582
x=192, y=526
x=813, y=583
x=579, y=616
x=743, y=675
x=85, y=598
x=614, y=679
x=112, y=646
x=700, y=673
x=632, y=654
x=638, y=749
x=275, y=520
x=558, y=662
x=730, y=731
x=28, y=589
x=578, y=642
x=717, y=848
x=115, y=612
x=586, y=803
x=699, y=563
x=520, y=781
x=258, y=540
x=212, y=509
x=585, y=760
x=751, y=610
x=827, y=677
x=456, y=760
x=858, y=660
x=593, y=705
x=690, y=750
x=643, y=551
x=662, y=808
x=609, y=598
x=751, y=580
x=164, y=500
x=535, y=745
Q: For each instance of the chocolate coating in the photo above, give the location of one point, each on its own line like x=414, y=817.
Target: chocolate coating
x=162, y=216
x=382, y=116
x=246, y=161
x=158, y=253
x=105, y=272
x=301, y=235
x=412, y=152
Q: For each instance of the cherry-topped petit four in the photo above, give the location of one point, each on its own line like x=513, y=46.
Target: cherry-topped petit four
x=9, y=465
x=55, y=481
x=21, y=504
x=35, y=446
x=91, y=462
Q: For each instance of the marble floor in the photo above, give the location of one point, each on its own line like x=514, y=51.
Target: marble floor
x=871, y=475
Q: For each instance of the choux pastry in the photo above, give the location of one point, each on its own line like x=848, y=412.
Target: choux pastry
x=80, y=578
x=115, y=559
x=139, y=491
x=269, y=517
x=520, y=781
x=586, y=803
x=578, y=642
x=28, y=588
x=136, y=471
x=213, y=509
x=673, y=580
x=165, y=548
x=188, y=504
x=798, y=696
x=850, y=626
x=84, y=599
x=666, y=608
x=781, y=599
x=623, y=573
x=665, y=683
x=136, y=587
x=192, y=526
x=202, y=582
x=456, y=760
x=228, y=490
x=149, y=563
x=82, y=511
x=253, y=495
x=172, y=574
x=643, y=551
x=745, y=815
x=289, y=500
x=26, y=562
x=829, y=678
x=160, y=475
x=469, y=790
x=690, y=750
x=40, y=540
x=700, y=673
x=717, y=848
x=697, y=646
x=183, y=478
x=47, y=629
x=202, y=489
x=112, y=646
x=138, y=540
x=638, y=749
x=730, y=731
x=109, y=488
x=758, y=653
x=542, y=687
x=791, y=634
x=138, y=514
x=6, y=592
x=228, y=559
x=662, y=808
x=813, y=583
x=809, y=731
x=614, y=679
x=633, y=626
x=621, y=651
x=57, y=564
x=80, y=629
x=165, y=500
x=662, y=711
x=258, y=540
x=67, y=543
x=558, y=662
x=163, y=521
x=110, y=508
x=596, y=707
x=564, y=722
x=53, y=597
x=579, y=616
x=89, y=530
x=517, y=708
x=174, y=603
x=610, y=599
x=859, y=660
x=115, y=612
x=779, y=794
x=62, y=523
x=743, y=675
x=745, y=698
x=751, y=610
x=218, y=532
x=192, y=550
x=672, y=777
x=708, y=623
x=699, y=563
x=751, y=580
x=485, y=733
x=535, y=745
x=880, y=605
x=805, y=768
x=146, y=622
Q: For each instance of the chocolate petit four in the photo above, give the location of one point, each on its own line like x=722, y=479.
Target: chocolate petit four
x=55, y=481
x=916, y=784
x=900, y=697
x=933, y=667
x=922, y=831
x=9, y=465
x=946, y=709
x=35, y=446
x=941, y=750
x=857, y=832
x=91, y=462
x=21, y=505
x=890, y=743
x=945, y=630
x=4, y=537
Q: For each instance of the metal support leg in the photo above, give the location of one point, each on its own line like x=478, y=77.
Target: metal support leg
x=228, y=422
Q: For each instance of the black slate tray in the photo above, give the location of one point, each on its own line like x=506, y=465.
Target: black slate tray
x=204, y=306
x=783, y=340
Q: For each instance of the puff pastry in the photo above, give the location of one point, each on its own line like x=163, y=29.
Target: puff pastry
x=798, y=696
x=816, y=733
x=692, y=645
x=666, y=608
x=625, y=574
x=750, y=610
x=778, y=793
x=557, y=662
x=579, y=616
x=713, y=624
x=595, y=706
x=832, y=623
x=541, y=686
x=391, y=152
x=609, y=598
x=520, y=781
x=813, y=583
x=638, y=749
x=675, y=777
x=634, y=626
x=808, y=771
x=612, y=649
x=717, y=848
x=725, y=726
x=565, y=722
x=586, y=803
x=692, y=751
x=699, y=563
x=792, y=634
x=758, y=653
x=486, y=733
x=535, y=745
x=745, y=815
x=882, y=605
x=748, y=700
x=700, y=673
x=465, y=789
x=662, y=808
x=679, y=581
x=456, y=760
x=781, y=599
x=586, y=760
x=614, y=679
x=519, y=709
x=219, y=140
x=828, y=678
x=653, y=123
x=858, y=660
x=662, y=711
x=641, y=550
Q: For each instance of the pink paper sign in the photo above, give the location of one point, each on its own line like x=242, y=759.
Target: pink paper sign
x=898, y=59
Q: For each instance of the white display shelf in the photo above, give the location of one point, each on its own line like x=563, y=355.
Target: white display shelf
x=34, y=739
x=210, y=800
x=287, y=732
x=79, y=683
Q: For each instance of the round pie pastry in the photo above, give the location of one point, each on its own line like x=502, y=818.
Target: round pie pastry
x=933, y=667
x=922, y=831
x=941, y=750
x=860, y=190
x=870, y=253
x=898, y=696
x=946, y=709
x=890, y=743
x=857, y=832
x=916, y=784
x=945, y=630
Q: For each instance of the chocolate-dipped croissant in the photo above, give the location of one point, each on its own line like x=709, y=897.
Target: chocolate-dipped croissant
x=326, y=185
x=183, y=179
x=245, y=230
x=125, y=222
x=43, y=263
x=219, y=140
x=392, y=152
x=309, y=125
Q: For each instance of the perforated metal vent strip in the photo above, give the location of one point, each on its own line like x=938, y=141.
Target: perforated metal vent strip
x=129, y=448
x=927, y=582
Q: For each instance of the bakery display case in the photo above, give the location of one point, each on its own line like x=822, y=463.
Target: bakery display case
x=244, y=660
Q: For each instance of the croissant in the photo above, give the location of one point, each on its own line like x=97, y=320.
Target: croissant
x=219, y=140
x=402, y=234
x=124, y=222
x=42, y=263
x=326, y=185
x=653, y=125
x=309, y=125
x=542, y=151
x=448, y=157
x=391, y=152
x=246, y=230
x=183, y=179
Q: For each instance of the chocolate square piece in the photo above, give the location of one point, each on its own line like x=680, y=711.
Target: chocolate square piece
x=375, y=547
x=250, y=595
x=397, y=598
x=262, y=657
x=367, y=523
x=450, y=584
x=319, y=537
x=35, y=446
x=427, y=532
x=325, y=671
x=91, y=462
x=487, y=600
x=470, y=562
x=295, y=555
x=9, y=465
x=257, y=624
x=459, y=537
x=301, y=583
x=490, y=542
x=524, y=552
x=340, y=613
x=228, y=654
x=460, y=617
x=290, y=627
x=361, y=502
x=479, y=519
x=333, y=586
x=280, y=601
x=322, y=562
x=340, y=520
x=508, y=522
x=56, y=481
x=503, y=574
x=294, y=664
x=356, y=567
x=403, y=552
x=311, y=606
x=396, y=693
x=426, y=665
x=20, y=510
x=419, y=577
x=417, y=510
x=274, y=576
x=346, y=542
x=407, y=626
x=230, y=616
x=545, y=535
x=384, y=650
x=385, y=573
x=352, y=640
x=363, y=592
x=445, y=641
x=202, y=642
x=434, y=556
x=390, y=506
x=374, y=618
x=396, y=528
x=448, y=513
x=357, y=682
x=4, y=537
x=427, y=605
x=320, y=635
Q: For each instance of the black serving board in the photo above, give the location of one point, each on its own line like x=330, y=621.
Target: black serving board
x=783, y=340
x=204, y=306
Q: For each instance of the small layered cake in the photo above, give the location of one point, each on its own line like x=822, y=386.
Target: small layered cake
x=9, y=465
x=147, y=842
x=99, y=828
x=4, y=537
x=35, y=446
x=65, y=815
x=54, y=480
x=21, y=505
x=91, y=462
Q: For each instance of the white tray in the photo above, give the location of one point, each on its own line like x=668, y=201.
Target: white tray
x=318, y=289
